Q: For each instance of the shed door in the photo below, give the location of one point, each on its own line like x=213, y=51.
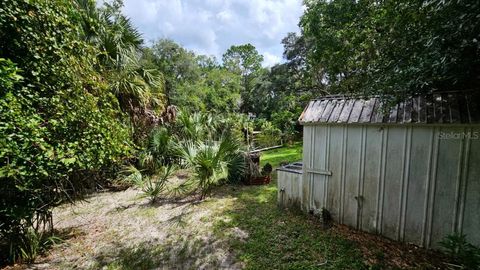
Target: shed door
x=317, y=169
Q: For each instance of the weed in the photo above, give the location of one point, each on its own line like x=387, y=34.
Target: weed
x=33, y=244
x=464, y=253
x=152, y=186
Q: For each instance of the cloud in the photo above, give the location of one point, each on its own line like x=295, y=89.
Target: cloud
x=270, y=59
x=212, y=26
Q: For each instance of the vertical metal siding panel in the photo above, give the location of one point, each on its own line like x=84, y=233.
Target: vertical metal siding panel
x=361, y=178
x=293, y=187
x=458, y=183
x=371, y=199
x=288, y=188
x=405, y=181
x=471, y=217
x=319, y=148
x=418, y=173
x=382, y=179
x=280, y=185
x=353, y=157
x=444, y=200
x=335, y=161
x=463, y=191
x=319, y=153
x=393, y=181
x=311, y=204
x=307, y=150
x=289, y=182
x=432, y=186
x=343, y=172
x=300, y=187
x=426, y=210
x=327, y=165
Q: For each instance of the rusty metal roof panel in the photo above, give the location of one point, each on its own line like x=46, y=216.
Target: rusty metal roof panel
x=328, y=110
x=356, y=111
x=320, y=109
x=346, y=111
x=368, y=110
x=437, y=108
x=337, y=110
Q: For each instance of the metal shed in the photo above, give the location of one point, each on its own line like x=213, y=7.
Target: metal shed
x=411, y=173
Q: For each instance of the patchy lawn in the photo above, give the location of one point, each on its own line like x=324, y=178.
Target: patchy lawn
x=288, y=153
x=280, y=239
x=239, y=227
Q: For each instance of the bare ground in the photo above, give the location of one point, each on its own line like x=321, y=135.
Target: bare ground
x=118, y=230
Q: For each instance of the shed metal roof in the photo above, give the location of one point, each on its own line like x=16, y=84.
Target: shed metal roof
x=437, y=108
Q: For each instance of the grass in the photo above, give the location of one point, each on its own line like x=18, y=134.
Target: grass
x=289, y=154
x=279, y=239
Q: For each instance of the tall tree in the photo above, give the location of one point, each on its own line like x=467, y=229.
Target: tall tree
x=178, y=65
x=247, y=62
x=305, y=76
x=394, y=48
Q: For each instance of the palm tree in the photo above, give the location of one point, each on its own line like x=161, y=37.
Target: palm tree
x=211, y=162
x=152, y=186
x=139, y=90
x=159, y=151
x=107, y=28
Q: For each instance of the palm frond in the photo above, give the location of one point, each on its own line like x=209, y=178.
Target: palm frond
x=131, y=175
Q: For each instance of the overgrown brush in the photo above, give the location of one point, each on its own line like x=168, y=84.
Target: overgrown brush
x=464, y=253
x=152, y=186
x=212, y=161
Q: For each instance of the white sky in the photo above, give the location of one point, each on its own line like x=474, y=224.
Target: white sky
x=212, y=26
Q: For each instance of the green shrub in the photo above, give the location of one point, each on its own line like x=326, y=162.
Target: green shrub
x=211, y=162
x=59, y=124
x=286, y=121
x=152, y=186
x=458, y=248
x=267, y=169
x=160, y=150
x=270, y=135
x=35, y=243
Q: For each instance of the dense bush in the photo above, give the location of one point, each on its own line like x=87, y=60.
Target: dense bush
x=59, y=124
x=159, y=150
x=212, y=161
x=269, y=136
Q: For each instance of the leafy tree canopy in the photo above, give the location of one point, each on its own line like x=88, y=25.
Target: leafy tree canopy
x=393, y=48
x=245, y=61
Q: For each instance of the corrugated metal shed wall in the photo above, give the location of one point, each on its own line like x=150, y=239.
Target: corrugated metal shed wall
x=406, y=182
x=289, y=188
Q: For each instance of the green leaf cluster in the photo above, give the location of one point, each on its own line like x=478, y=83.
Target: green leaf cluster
x=59, y=122
x=393, y=48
